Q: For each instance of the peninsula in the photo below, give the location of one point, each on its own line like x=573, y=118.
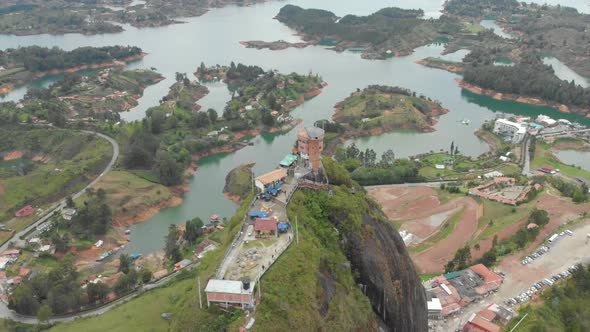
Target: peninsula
x=24, y=64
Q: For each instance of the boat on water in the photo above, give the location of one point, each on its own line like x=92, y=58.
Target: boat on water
x=466, y=121
x=127, y=231
x=135, y=256
x=214, y=218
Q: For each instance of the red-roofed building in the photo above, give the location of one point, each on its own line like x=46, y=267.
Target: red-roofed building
x=23, y=272
x=547, y=169
x=477, y=323
x=265, y=227
x=487, y=314
x=487, y=275
x=26, y=211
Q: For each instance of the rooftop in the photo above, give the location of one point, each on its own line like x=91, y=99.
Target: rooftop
x=487, y=275
x=276, y=175
x=266, y=224
x=226, y=286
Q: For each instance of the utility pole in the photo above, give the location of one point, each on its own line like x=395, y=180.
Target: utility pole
x=297, y=229
x=259, y=288
x=200, y=301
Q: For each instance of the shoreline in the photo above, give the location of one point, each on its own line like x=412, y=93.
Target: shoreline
x=520, y=99
x=444, y=66
x=34, y=76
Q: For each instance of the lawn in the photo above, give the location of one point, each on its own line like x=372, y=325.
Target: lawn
x=544, y=156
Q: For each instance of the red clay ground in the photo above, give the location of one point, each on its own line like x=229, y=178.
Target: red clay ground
x=421, y=212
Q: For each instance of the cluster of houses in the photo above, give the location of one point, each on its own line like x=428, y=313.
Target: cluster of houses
x=516, y=130
x=452, y=291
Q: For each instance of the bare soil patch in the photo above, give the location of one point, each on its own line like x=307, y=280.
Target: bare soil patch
x=13, y=155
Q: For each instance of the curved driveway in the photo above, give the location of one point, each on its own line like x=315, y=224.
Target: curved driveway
x=7, y=313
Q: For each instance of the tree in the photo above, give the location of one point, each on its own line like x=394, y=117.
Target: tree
x=495, y=241
x=146, y=275
x=539, y=217
x=193, y=229
x=388, y=158
x=521, y=238
x=70, y=202
x=169, y=171
x=125, y=263
x=44, y=313
x=212, y=115
x=172, y=249
x=97, y=291
x=23, y=301
x=452, y=148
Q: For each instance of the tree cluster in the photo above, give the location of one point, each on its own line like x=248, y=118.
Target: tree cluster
x=94, y=217
x=366, y=169
x=533, y=79
x=58, y=288
x=38, y=59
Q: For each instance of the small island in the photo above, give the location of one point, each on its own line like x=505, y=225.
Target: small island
x=238, y=183
x=24, y=64
x=260, y=97
x=378, y=109
x=439, y=63
x=98, y=95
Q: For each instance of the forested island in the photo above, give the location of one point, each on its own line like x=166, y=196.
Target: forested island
x=385, y=33
x=530, y=82
x=30, y=17
x=21, y=65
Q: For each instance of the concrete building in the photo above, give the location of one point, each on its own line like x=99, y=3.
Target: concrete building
x=434, y=309
x=229, y=292
x=515, y=131
x=310, y=144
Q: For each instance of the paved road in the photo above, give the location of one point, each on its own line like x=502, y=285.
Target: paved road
x=7, y=313
x=418, y=184
x=57, y=206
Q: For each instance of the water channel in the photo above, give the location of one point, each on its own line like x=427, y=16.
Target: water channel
x=214, y=39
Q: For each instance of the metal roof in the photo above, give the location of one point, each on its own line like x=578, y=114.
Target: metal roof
x=226, y=286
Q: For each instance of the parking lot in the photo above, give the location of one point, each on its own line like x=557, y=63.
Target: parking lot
x=563, y=253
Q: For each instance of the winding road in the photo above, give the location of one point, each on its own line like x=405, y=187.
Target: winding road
x=7, y=313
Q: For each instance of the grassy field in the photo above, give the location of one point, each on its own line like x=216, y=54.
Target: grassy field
x=498, y=216
x=473, y=28
x=544, y=156
x=72, y=159
x=445, y=230
x=128, y=193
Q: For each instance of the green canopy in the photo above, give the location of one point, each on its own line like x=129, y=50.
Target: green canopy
x=288, y=160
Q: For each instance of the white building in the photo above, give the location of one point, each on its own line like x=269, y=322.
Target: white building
x=545, y=120
x=434, y=309
x=511, y=129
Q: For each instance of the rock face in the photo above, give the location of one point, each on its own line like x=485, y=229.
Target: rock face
x=387, y=273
